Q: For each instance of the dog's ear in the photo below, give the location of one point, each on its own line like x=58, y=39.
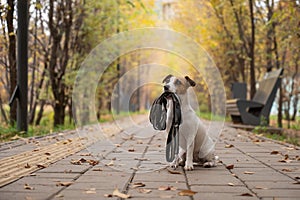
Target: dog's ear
x=167, y=78
x=190, y=81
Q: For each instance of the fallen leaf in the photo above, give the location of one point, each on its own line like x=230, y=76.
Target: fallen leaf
x=287, y=170
x=285, y=161
x=142, y=159
x=64, y=183
x=186, y=193
x=246, y=195
x=137, y=185
x=93, y=162
x=27, y=166
x=28, y=187
x=47, y=153
x=166, y=196
x=108, y=195
x=164, y=188
x=260, y=188
x=110, y=164
x=230, y=184
x=171, y=171
x=75, y=162
x=59, y=196
x=117, y=193
x=229, y=166
x=229, y=146
x=248, y=172
x=144, y=191
x=97, y=169
x=85, y=154
x=131, y=150
x=139, y=142
x=41, y=166
x=274, y=152
x=37, y=149
x=297, y=177
x=91, y=191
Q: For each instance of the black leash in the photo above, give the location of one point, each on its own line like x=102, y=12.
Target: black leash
x=158, y=116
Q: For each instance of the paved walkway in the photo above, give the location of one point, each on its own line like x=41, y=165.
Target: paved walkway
x=132, y=164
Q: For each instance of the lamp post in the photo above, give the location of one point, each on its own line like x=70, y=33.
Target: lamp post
x=22, y=62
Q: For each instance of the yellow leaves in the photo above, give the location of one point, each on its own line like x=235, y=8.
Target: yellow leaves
x=186, y=193
x=117, y=193
x=65, y=183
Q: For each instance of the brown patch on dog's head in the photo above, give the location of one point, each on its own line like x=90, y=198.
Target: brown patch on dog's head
x=177, y=84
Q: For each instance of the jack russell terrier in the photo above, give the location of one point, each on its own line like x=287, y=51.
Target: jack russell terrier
x=195, y=145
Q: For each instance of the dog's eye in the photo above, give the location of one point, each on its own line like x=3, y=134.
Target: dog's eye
x=177, y=82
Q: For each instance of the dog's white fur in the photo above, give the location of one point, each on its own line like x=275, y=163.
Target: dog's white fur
x=194, y=143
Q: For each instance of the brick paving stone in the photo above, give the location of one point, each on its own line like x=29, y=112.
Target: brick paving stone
x=134, y=160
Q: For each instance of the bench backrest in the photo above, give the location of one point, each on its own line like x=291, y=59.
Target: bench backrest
x=267, y=89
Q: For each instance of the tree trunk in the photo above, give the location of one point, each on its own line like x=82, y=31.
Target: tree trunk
x=251, y=53
x=12, y=58
x=40, y=113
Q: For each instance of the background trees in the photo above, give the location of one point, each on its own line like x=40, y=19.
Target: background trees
x=246, y=38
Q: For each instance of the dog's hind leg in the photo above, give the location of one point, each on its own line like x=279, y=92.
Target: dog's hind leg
x=211, y=162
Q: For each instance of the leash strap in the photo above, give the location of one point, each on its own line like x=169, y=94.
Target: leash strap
x=158, y=116
x=172, y=146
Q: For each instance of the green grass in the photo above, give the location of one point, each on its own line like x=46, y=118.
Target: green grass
x=283, y=138
x=210, y=116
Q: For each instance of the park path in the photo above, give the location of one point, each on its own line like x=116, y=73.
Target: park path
x=130, y=162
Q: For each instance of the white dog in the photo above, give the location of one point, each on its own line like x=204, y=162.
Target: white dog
x=194, y=143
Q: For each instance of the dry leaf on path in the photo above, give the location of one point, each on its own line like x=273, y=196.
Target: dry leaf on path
x=248, y=172
x=117, y=193
x=91, y=191
x=287, y=170
x=41, y=166
x=28, y=187
x=144, y=191
x=108, y=195
x=97, y=169
x=166, y=196
x=164, y=188
x=131, y=150
x=186, y=193
x=230, y=166
x=171, y=171
x=27, y=166
x=142, y=159
x=230, y=184
x=274, y=152
x=246, y=195
x=137, y=185
x=64, y=183
x=111, y=163
x=260, y=188
x=229, y=146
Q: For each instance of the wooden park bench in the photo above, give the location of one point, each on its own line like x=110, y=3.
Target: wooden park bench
x=256, y=111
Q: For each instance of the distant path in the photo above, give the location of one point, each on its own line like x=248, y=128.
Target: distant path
x=133, y=160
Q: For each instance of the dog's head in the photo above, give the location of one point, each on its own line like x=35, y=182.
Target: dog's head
x=177, y=85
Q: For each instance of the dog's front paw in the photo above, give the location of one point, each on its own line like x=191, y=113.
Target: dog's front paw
x=175, y=162
x=189, y=166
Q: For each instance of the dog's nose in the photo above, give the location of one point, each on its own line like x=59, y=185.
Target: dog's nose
x=166, y=87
